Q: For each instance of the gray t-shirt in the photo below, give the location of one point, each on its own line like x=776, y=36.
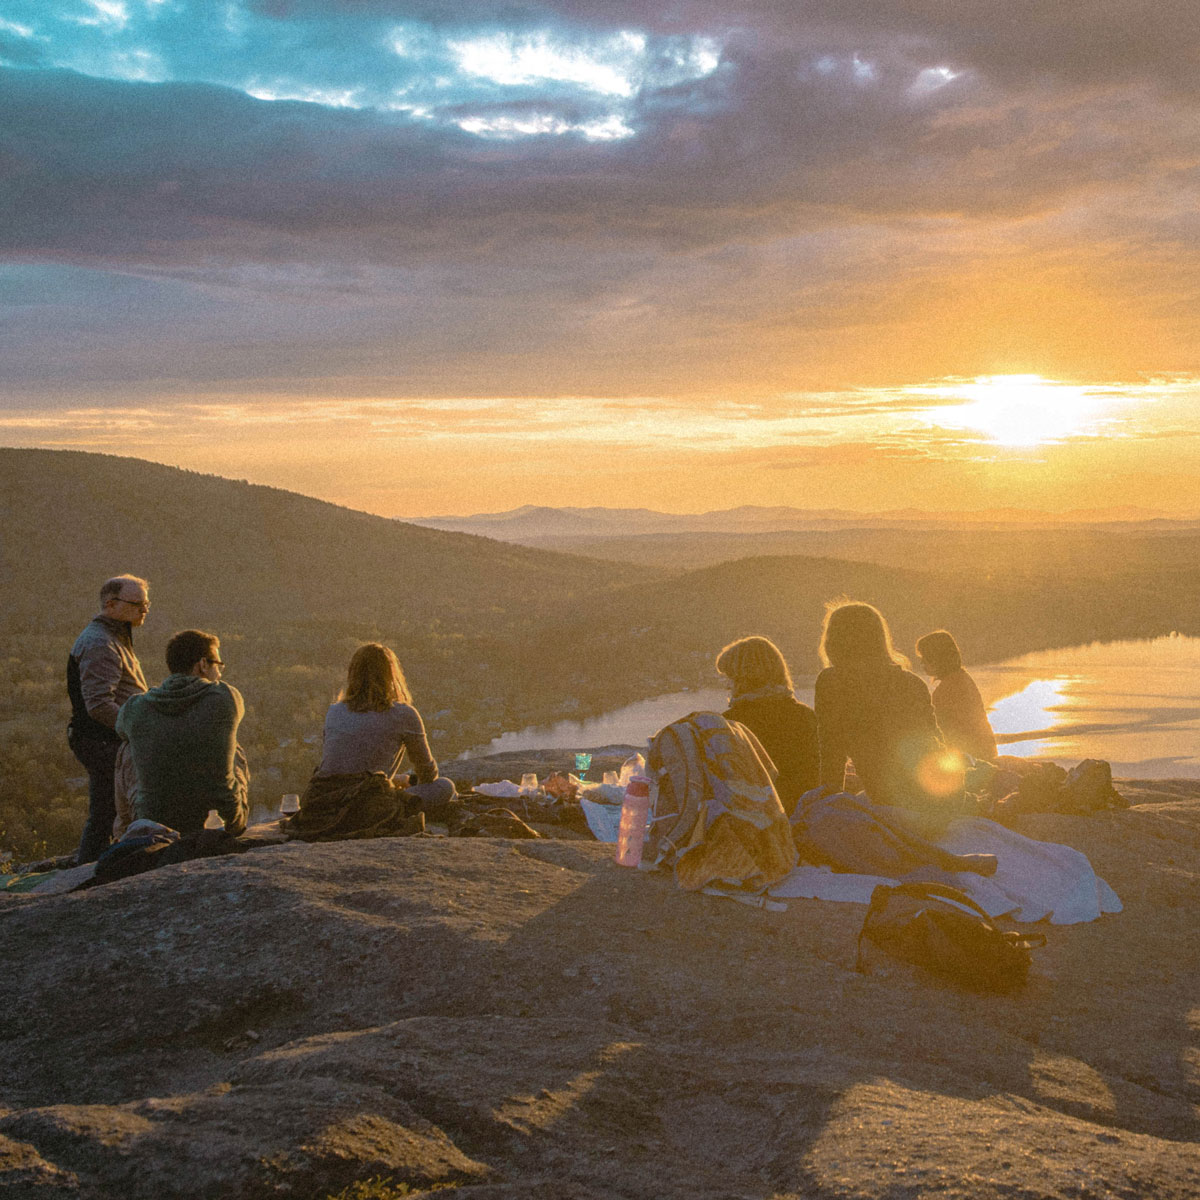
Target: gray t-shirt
x=375, y=741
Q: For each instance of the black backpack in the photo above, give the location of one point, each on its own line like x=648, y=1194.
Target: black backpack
x=1089, y=788
x=942, y=930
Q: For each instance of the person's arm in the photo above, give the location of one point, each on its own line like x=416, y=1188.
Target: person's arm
x=100, y=671
x=920, y=705
x=235, y=811
x=413, y=740
x=809, y=749
x=982, y=735
x=830, y=736
x=237, y=814
x=124, y=718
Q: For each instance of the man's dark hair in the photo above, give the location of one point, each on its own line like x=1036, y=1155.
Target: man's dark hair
x=186, y=649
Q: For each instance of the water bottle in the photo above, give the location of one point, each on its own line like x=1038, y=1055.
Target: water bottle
x=213, y=820
x=631, y=833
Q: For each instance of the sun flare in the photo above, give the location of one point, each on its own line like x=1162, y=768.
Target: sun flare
x=1019, y=410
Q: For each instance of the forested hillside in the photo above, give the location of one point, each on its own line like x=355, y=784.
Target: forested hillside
x=494, y=636
x=292, y=585
x=684, y=620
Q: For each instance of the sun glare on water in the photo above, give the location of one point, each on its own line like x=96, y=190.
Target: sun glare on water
x=1018, y=410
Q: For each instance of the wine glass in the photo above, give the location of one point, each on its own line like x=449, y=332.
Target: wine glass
x=583, y=761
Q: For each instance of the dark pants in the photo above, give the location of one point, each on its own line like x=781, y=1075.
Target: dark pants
x=100, y=759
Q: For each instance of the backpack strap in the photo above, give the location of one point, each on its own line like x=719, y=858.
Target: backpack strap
x=879, y=897
x=937, y=891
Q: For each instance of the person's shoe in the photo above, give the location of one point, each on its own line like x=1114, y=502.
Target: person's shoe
x=412, y=825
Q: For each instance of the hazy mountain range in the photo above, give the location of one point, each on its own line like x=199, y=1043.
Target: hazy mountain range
x=531, y=522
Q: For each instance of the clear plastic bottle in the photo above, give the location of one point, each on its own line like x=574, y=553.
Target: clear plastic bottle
x=633, y=766
x=214, y=820
x=631, y=833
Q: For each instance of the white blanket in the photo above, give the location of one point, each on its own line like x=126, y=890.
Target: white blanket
x=1033, y=881
x=603, y=819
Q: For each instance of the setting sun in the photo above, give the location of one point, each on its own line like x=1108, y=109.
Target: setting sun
x=1020, y=410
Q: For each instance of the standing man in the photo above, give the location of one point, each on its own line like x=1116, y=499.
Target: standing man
x=102, y=673
x=182, y=737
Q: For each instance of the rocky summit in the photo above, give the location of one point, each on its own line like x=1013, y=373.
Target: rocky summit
x=496, y=1018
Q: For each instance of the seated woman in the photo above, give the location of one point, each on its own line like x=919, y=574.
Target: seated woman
x=871, y=709
x=368, y=732
x=761, y=699
x=956, y=700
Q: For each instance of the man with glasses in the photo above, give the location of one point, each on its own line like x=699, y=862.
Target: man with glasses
x=102, y=674
x=182, y=738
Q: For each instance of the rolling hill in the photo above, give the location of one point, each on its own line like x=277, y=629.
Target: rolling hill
x=494, y=636
x=291, y=584
x=218, y=550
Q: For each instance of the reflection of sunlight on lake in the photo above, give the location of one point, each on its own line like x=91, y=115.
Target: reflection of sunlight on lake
x=1133, y=703
x=1034, y=708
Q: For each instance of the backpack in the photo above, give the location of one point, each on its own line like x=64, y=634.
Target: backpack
x=1089, y=788
x=943, y=931
x=715, y=815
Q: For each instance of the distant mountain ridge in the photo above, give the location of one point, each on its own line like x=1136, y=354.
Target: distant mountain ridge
x=530, y=522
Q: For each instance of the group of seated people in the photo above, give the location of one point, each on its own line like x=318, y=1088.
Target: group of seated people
x=169, y=754
x=906, y=746
x=184, y=760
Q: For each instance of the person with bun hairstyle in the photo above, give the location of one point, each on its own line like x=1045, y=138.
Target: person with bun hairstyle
x=874, y=711
x=960, y=711
x=761, y=698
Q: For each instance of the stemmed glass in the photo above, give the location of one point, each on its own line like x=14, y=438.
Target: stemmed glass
x=583, y=761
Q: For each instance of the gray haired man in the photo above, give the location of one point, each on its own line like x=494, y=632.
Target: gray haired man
x=102, y=673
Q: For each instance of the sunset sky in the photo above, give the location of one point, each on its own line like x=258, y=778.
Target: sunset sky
x=438, y=257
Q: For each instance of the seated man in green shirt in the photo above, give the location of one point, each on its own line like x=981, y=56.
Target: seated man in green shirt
x=182, y=737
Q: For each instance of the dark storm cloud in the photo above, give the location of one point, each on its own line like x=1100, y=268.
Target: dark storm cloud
x=100, y=169
x=571, y=195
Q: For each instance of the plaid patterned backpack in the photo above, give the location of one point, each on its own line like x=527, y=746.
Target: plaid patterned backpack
x=716, y=818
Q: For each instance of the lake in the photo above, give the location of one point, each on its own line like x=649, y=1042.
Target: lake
x=1134, y=703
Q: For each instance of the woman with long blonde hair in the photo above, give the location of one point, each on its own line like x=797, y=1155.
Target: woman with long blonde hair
x=761, y=698
x=369, y=731
x=872, y=710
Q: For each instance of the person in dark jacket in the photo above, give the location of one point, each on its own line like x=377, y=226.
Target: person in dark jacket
x=961, y=714
x=872, y=710
x=103, y=672
x=182, y=736
x=761, y=698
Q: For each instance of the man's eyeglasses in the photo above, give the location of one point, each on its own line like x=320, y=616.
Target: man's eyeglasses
x=216, y=662
x=144, y=605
